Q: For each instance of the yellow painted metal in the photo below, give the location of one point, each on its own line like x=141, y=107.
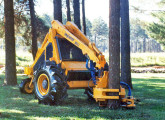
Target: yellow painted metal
x=73, y=65
x=60, y=29
x=129, y=102
x=40, y=80
x=101, y=89
x=50, y=37
x=27, y=88
x=83, y=43
x=71, y=33
x=45, y=40
x=103, y=81
x=56, y=56
x=28, y=70
x=31, y=83
x=100, y=94
x=80, y=84
x=122, y=92
x=71, y=27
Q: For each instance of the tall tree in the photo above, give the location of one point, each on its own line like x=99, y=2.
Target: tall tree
x=125, y=43
x=138, y=33
x=34, y=30
x=42, y=28
x=10, y=66
x=100, y=31
x=57, y=10
x=114, y=50
x=88, y=28
x=144, y=45
x=156, y=30
x=76, y=7
x=68, y=10
x=83, y=17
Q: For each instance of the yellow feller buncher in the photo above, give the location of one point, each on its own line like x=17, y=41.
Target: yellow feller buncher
x=68, y=60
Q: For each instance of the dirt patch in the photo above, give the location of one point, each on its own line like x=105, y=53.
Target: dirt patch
x=1, y=66
x=153, y=69
x=159, y=67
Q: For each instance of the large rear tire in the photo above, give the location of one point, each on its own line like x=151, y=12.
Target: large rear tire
x=50, y=86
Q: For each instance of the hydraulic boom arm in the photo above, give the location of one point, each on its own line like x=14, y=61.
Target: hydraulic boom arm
x=76, y=37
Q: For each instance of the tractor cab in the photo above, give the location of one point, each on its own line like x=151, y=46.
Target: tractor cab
x=74, y=63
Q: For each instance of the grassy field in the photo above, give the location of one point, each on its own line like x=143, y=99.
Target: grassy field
x=146, y=59
x=149, y=88
x=24, y=58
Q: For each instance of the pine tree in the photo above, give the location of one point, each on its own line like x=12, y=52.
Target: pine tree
x=83, y=17
x=68, y=10
x=76, y=7
x=57, y=10
x=10, y=65
x=34, y=28
x=114, y=50
x=125, y=43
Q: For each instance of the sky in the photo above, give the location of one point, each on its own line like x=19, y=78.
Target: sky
x=100, y=8
x=92, y=10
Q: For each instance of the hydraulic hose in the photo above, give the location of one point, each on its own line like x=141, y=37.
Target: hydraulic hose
x=92, y=70
x=90, y=94
x=129, y=89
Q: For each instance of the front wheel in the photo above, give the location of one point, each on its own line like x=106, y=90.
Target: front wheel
x=24, y=86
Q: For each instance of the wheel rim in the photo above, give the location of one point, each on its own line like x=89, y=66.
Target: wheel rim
x=43, y=84
x=28, y=89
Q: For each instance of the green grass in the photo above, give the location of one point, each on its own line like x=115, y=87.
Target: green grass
x=149, y=88
x=2, y=58
x=145, y=59
x=23, y=58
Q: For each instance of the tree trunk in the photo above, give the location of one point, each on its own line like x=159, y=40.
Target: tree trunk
x=34, y=28
x=149, y=45
x=95, y=40
x=125, y=44
x=132, y=46
x=158, y=47
x=68, y=10
x=57, y=10
x=114, y=51
x=10, y=63
x=144, y=45
x=152, y=44
x=76, y=7
x=136, y=46
x=104, y=47
x=83, y=17
x=141, y=47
